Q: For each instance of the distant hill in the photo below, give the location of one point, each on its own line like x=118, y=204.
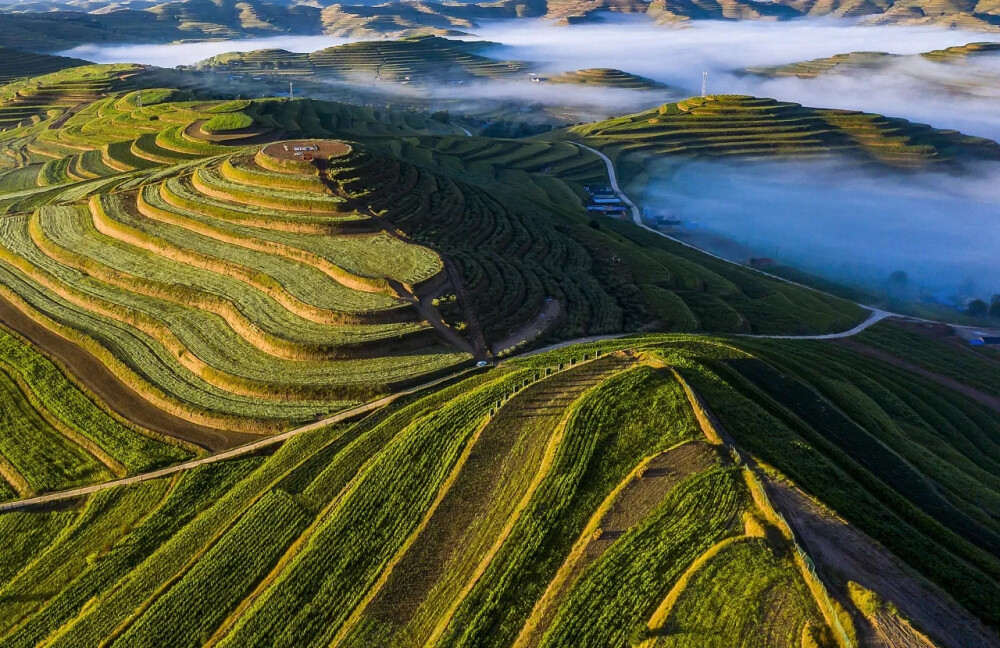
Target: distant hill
x=16, y=64
x=850, y=61
x=605, y=78
x=417, y=59
x=737, y=125
x=102, y=21
x=162, y=23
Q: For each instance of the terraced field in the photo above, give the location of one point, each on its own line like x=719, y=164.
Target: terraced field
x=840, y=63
x=233, y=289
x=606, y=78
x=742, y=126
x=55, y=435
x=417, y=59
x=908, y=462
x=52, y=96
x=528, y=505
x=238, y=309
x=458, y=517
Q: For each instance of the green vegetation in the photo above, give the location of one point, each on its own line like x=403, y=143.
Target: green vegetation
x=226, y=122
x=54, y=435
x=605, y=77
x=417, y=59
x=444, y=518
x=908, y=462
x=737, y=125
x=243, y=291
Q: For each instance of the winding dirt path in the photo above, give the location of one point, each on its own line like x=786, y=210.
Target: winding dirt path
x=966, y=390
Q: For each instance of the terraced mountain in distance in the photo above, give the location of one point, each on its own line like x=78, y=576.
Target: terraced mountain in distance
x=419, y=59
x=842, y=63
x=605, y=78
x=738, y=125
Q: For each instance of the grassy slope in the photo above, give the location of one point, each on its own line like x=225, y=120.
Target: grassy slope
x=739, y=126
x=387, y=482
x=54, y=433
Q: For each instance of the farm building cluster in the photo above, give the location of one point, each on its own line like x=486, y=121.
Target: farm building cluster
x=605, y=200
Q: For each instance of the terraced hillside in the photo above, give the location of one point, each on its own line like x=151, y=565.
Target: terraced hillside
x=738, y=125
x=241, y=293
x=515, y=248
x=438, y=538
x=963, y=52
x=841, y=63
x=75, y=145
x=52, y=96
x=837, y=63
x=158, y=239
x=528, y=505
x=20, y=65
x=418, y=59
x=605, y=77
x=55, y=435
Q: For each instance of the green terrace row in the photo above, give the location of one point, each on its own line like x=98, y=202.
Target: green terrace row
x=183, y=279
x=56, y=436
x=738, y=125
x=461, y=516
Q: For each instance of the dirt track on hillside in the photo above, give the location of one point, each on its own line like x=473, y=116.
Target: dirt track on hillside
x=966, y=390
x=91, y=372
x=844, y=553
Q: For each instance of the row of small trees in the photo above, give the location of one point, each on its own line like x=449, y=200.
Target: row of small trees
x=979, y=308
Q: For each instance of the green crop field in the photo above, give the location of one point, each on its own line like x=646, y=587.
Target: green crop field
x=54, y=435
x=737, y=125
x=528, y=505
x=458, y=517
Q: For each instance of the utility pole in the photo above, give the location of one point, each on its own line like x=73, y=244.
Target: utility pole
x=289, y=90
x=704, y=84
x=139, y=99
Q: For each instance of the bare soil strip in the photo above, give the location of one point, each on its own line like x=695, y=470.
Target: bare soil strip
x=99, y=380
x=844, y=553
x=627, y=505
x=966, y=390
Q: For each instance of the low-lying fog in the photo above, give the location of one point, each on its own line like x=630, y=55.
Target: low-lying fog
x=678, y=56
x=830, y=219
x=174, y=54
x=942, y=230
